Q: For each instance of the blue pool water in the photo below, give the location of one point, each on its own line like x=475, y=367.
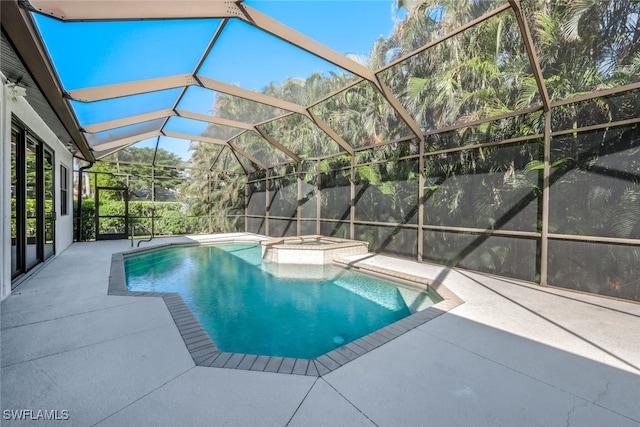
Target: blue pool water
x=248, y=306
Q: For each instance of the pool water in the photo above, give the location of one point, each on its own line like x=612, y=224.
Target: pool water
x=246, y=308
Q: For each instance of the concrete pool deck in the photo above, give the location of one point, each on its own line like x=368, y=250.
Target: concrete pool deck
x=512, y=355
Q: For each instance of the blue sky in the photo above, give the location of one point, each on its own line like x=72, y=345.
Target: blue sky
x=347, y=26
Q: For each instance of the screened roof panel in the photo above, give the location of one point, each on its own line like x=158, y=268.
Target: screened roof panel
x=260, y=149
x=198, y=100
x=204, y=154
x=250, y=58
x=111, y=109
x=247, y=165
x=351, y=32
x=88, y=54
x=112, y=135
x=482, y=72
x=299, y=135
x=105, y=155
x=362, y=116
x=173, y=152
x=585, y=46
x=226, y=161
x=273, y=60
x=141, y=152
x=201, y=128
x=422, y=22
x=186, y=126
x=221, y=132
x=208, y=102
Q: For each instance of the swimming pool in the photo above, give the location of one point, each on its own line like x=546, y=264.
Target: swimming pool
x=246, y=307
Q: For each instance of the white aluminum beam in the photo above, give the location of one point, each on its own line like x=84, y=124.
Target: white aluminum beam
x=271, y=26
x=99, y=93
x=453, y=33
x=125, y=141
x=106, y=10
x=214, y=120
x=250, y=95
x=329, y=131
x=102, y=154
x=527, y=39
x=289, y=35
x=190, y=137
x=402, y=112
x=277, y=144
x=248, y=156
x=206, y=139
x=127, y=121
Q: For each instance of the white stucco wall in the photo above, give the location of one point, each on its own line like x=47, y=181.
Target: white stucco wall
x=64, y=223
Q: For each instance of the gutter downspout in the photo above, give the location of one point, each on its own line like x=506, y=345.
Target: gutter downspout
x=79, y=219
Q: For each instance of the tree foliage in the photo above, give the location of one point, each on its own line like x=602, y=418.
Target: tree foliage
x=131, y=168
x=482, y=72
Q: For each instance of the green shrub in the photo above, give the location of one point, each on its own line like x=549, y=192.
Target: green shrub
x=88, y=225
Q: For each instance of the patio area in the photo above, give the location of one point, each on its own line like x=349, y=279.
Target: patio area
x=512, y=354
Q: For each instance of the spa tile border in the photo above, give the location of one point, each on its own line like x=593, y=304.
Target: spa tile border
x=336, y=243
x=204, y=351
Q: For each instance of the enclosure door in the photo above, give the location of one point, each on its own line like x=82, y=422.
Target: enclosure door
x=112, y=213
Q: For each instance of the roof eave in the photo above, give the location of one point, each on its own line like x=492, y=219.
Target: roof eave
x=23, y=34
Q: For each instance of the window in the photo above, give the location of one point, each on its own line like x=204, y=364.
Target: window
x=64, y=190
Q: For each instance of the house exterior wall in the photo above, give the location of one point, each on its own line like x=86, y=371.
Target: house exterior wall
x=20, y=108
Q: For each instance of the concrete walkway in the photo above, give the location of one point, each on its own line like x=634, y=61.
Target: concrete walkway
x=512, y=355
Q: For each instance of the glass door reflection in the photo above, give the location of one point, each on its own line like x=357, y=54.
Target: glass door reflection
x=32, y=207
x=49, y=204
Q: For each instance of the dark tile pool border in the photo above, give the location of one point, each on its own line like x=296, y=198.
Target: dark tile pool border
x=204, y=351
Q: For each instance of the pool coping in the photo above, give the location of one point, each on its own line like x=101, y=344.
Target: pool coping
x=204, y=351
x=336, y=243
x=282, y=250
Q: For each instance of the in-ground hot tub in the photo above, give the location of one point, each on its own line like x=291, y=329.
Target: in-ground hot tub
x=313, y=249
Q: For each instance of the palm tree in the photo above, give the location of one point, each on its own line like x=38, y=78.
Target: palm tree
x=586, y=45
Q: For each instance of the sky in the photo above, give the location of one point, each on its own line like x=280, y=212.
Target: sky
x=96, y=53
x=87, y=54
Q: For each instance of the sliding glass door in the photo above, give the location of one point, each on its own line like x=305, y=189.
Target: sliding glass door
x=17, y=223
x=32, y=201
